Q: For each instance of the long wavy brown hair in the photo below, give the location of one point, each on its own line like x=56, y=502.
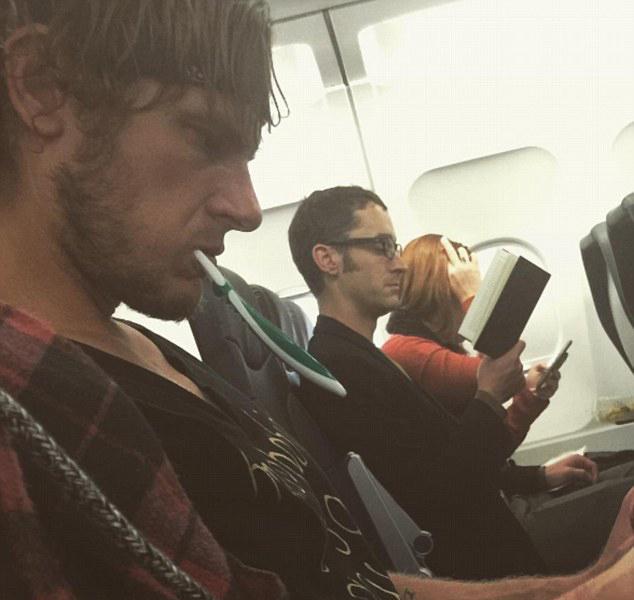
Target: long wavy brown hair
x=426, y=292
x=96, y=50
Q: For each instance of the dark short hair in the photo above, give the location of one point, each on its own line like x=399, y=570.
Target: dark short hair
x=324, y=216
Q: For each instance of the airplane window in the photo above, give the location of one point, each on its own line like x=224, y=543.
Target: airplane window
x=511, y=200
x=507, y=200
x=457, y=80
x=475, y=78
x=511, y=194
x=317, y=145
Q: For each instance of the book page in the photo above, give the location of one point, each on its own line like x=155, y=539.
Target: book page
x=488, y=294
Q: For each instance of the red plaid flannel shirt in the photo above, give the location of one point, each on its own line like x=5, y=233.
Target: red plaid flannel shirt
x=48, y=548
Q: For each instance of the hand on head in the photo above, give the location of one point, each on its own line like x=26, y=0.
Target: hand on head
x=575, y=468
x=463, y=270
x=502, y=377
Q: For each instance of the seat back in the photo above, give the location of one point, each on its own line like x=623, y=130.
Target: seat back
x=229, y=347
x=620, y=226
x=597, y=255
x=296, y=324
x=289, y=317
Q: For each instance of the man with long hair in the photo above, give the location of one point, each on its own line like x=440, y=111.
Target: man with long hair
x=127, y=128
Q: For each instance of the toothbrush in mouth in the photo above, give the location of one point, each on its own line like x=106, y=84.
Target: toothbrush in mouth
x=272, y=336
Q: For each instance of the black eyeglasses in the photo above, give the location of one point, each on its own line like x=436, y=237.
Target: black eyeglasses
x=382, y=244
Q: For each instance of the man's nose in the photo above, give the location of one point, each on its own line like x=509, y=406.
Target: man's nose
x=241, y=202
x=398, y=264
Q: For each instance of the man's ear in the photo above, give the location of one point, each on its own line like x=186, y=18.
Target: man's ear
x=327, y=259
x=32, y=89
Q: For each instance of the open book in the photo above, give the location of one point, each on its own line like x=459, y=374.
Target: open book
x=505, y=301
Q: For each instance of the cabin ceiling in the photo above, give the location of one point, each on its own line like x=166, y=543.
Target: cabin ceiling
x=284, y=9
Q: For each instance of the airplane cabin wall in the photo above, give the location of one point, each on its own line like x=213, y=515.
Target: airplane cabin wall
x=468, y=123
x=508, y=121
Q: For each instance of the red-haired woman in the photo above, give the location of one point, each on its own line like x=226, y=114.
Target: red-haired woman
x=436, y=292
x=441, y=280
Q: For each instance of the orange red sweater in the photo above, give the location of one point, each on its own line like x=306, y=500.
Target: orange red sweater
x=451, y=378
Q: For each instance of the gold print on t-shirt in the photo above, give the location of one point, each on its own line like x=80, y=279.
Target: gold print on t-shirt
x=285, y=463
x=264, y=468
x=370, y=583
x=340, y=515
x=368, y=587
x=279, y=468
x=341, y=545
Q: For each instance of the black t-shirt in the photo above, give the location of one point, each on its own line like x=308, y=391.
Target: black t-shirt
x=255, y=487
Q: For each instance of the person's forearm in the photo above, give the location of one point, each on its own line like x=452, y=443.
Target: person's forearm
x=480, y=444
x=612, y=576
x=410, y=587
x=615, y=583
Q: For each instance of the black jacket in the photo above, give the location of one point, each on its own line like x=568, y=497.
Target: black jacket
x=445, y=472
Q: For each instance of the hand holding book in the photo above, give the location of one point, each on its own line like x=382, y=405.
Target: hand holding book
x=505, y=301
x=503, y=377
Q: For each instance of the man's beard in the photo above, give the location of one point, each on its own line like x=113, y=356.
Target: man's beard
x=100, y=242
x=369, y=303
x=349, y=265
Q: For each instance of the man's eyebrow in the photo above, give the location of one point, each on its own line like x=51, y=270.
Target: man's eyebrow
x=376, y=236
x=219, y=129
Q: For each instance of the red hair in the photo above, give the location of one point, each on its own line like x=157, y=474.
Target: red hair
x=426, y=291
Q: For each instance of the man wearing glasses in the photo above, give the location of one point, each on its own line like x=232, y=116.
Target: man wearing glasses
x=444, y=472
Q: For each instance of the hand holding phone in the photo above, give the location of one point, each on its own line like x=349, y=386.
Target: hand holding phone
x=554, y=365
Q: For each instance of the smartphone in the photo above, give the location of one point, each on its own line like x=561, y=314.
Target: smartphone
x=554, y=364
